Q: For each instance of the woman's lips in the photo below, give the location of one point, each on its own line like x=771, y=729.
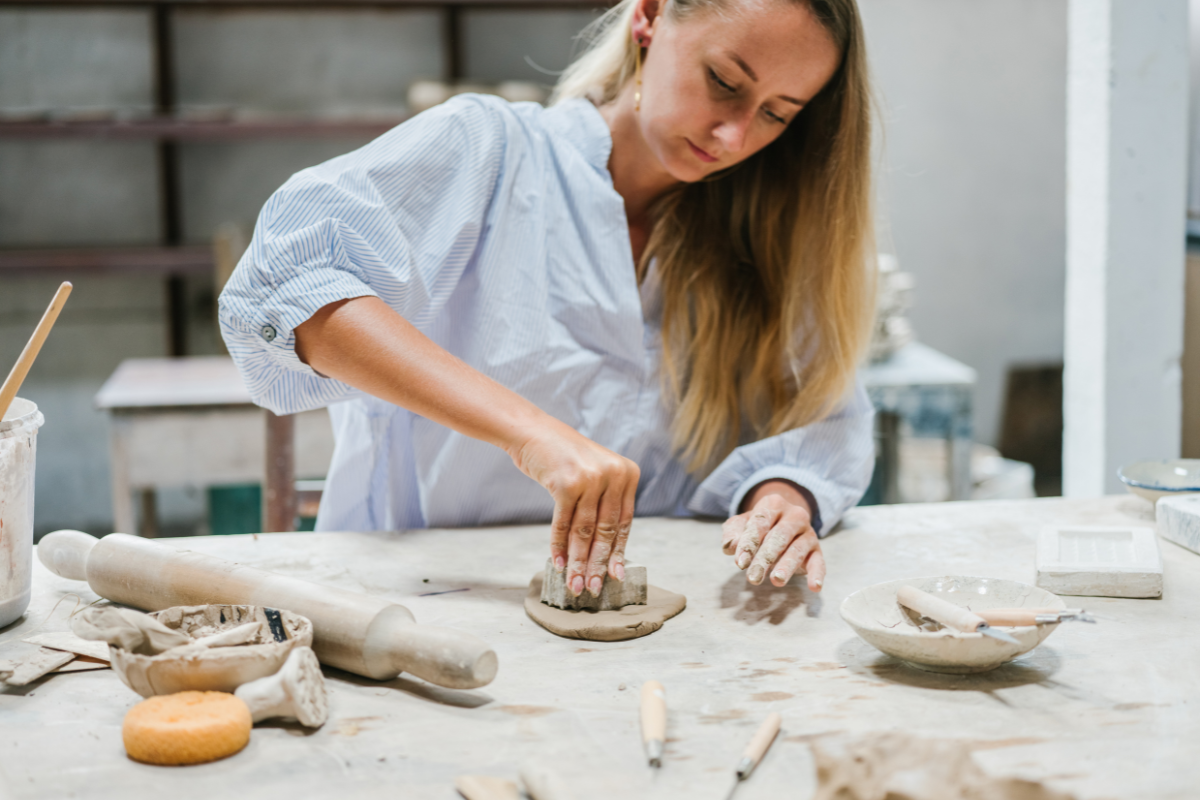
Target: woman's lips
x=700, y=154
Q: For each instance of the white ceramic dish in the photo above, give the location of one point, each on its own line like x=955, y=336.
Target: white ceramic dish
x=1155, y=479
x=216, y=669
x=875, y=615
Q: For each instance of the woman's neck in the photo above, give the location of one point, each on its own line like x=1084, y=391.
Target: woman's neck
x=637, y=174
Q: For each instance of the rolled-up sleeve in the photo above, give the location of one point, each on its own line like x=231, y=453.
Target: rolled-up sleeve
x=833, y=459
x=397, y=219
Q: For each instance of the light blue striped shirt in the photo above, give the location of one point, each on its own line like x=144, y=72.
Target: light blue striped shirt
x=495, y=230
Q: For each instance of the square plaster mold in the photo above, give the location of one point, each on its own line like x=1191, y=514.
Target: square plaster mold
x=1099, y=561
x=1179, y=520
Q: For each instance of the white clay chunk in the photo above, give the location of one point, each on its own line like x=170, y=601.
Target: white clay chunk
x=296, y=692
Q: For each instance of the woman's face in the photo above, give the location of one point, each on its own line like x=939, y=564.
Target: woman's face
x=718, y=86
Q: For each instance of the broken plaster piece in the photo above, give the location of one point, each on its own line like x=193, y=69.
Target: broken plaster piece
x=69, y=642
x=296, y=692
x=34, y=666
x=614, y=595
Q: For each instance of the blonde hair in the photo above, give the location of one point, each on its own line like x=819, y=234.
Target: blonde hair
x=767, y=295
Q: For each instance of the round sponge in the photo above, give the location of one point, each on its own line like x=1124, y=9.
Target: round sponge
x=186, y=728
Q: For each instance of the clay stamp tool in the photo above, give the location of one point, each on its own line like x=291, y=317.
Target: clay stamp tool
x=1019, y=617
x=755, y=751
x=948, y=614
x=1099, y=561
x=369, y=636
x=16, y=377
x=654, y=721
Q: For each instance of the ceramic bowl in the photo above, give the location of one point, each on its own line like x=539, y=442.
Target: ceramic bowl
x=1157, y=479
x=213, y=669
x=876, y=616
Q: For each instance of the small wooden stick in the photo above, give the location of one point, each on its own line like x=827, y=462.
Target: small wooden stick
x=654, y=721
x=12, y=384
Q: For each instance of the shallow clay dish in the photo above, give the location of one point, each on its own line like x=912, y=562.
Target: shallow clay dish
x=1157, y=479
x=213, y=669
x=876, y=616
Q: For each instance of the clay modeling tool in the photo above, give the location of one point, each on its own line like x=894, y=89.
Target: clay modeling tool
x=755, y=751
x=1017, y=617
x=654, y=721
x=17, y=376
x=948, y=614
x=365, y=635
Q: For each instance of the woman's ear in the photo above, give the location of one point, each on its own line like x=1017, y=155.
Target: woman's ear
x=645, y=20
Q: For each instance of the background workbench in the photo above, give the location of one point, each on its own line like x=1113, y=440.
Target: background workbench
x=1104, y=711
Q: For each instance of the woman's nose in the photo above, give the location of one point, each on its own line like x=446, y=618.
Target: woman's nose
x=731, y=132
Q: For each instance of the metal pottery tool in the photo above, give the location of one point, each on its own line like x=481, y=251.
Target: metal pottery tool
x=756, y=750
x=1017, y=617
x=17, y=376
x=654, y=721
x=948, y=614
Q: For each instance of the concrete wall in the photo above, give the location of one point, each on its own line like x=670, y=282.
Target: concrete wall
x=971, y=193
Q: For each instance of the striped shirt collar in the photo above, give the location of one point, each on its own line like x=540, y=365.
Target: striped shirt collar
x=579, y=122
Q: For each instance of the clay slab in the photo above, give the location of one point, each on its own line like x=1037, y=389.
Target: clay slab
x=1099, y=561
x=1179, y=520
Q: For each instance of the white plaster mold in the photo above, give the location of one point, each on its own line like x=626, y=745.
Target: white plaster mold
x=1179, y=520
x=881, y=621
x=1098, y=561
x=297, y=691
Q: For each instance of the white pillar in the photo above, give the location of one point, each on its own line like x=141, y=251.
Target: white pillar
x=1127, y=104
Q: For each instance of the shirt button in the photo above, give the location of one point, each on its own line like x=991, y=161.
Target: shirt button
x=268, y=333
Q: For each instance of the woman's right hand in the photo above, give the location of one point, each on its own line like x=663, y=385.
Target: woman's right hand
x=594, y=491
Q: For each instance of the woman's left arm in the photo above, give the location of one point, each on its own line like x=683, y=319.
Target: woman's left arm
x=781, y=494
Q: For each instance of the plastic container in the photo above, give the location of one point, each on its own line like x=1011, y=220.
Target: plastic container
x=18, y=452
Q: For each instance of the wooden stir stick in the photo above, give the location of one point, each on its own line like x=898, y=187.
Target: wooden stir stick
x=12, y=384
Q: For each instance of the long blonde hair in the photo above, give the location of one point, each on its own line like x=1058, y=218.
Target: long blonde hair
x=767, y=294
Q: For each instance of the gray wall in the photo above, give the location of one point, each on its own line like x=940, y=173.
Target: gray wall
x=971, y=191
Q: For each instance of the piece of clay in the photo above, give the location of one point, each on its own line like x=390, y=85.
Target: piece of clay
x=83, y=664
x=614, y=595
x=70, y=643
x=296, y=692
x=221, y=669
x=127, y=630
x=897, y=766
x=242, y=634
x=604, y=626
x=481, y=787
x=34, y=666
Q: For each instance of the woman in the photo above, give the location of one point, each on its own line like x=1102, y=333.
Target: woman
x=652, y=293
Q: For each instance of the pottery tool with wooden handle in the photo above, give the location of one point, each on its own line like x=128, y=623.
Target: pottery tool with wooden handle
x=654, y=721
x=1020, y=617
x=16, y=376
x=365, y=635
x=755, y=751
x=948, y=614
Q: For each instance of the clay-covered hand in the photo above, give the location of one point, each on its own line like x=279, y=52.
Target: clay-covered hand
x=775, y=537
x=594, y=491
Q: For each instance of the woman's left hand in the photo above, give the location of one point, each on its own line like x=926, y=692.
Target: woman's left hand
x=775, y=536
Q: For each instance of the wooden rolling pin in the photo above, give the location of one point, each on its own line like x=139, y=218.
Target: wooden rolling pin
x=948, y=614
x=365, y=635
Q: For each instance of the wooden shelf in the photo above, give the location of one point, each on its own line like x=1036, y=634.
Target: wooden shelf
x=171, y=129
x=108, y=260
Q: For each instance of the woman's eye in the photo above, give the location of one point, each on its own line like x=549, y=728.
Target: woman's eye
x=717, y=79
x=774, y=117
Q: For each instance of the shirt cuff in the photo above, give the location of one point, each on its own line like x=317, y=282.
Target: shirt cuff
x=802, y=478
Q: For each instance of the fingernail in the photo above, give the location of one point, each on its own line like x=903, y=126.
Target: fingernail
x=576, y=585
x=819, y=584
x=620, y=570
x=559, y=563
x=755, y=574
x=595, y=586
x=743, y=560
x=779, y=576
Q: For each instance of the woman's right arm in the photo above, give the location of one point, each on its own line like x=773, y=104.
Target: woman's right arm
x=363, y=343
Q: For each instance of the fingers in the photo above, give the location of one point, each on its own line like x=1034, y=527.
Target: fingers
x=731, y=532
x=608, y=525
x=616, y=564
x=804, y=552
x=560, y=530
x=579, y=541
x=763, y=517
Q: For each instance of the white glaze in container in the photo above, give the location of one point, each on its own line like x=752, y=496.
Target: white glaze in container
x=18, y=451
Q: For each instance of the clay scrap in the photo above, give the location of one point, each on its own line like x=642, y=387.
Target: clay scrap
x=614, y=595
x=69, y=642
x=900, y=767
x=26, y=671
x=296, y=692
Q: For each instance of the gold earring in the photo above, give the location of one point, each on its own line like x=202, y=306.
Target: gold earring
x=637, y=76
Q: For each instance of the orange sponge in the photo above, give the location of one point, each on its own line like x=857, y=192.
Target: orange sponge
x=186, y=728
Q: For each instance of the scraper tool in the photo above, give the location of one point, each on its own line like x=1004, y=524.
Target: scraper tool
x=654, y=721
x=948, y=614
x=756, y=750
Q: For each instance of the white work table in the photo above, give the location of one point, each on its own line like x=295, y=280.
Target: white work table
x=1103, y=711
